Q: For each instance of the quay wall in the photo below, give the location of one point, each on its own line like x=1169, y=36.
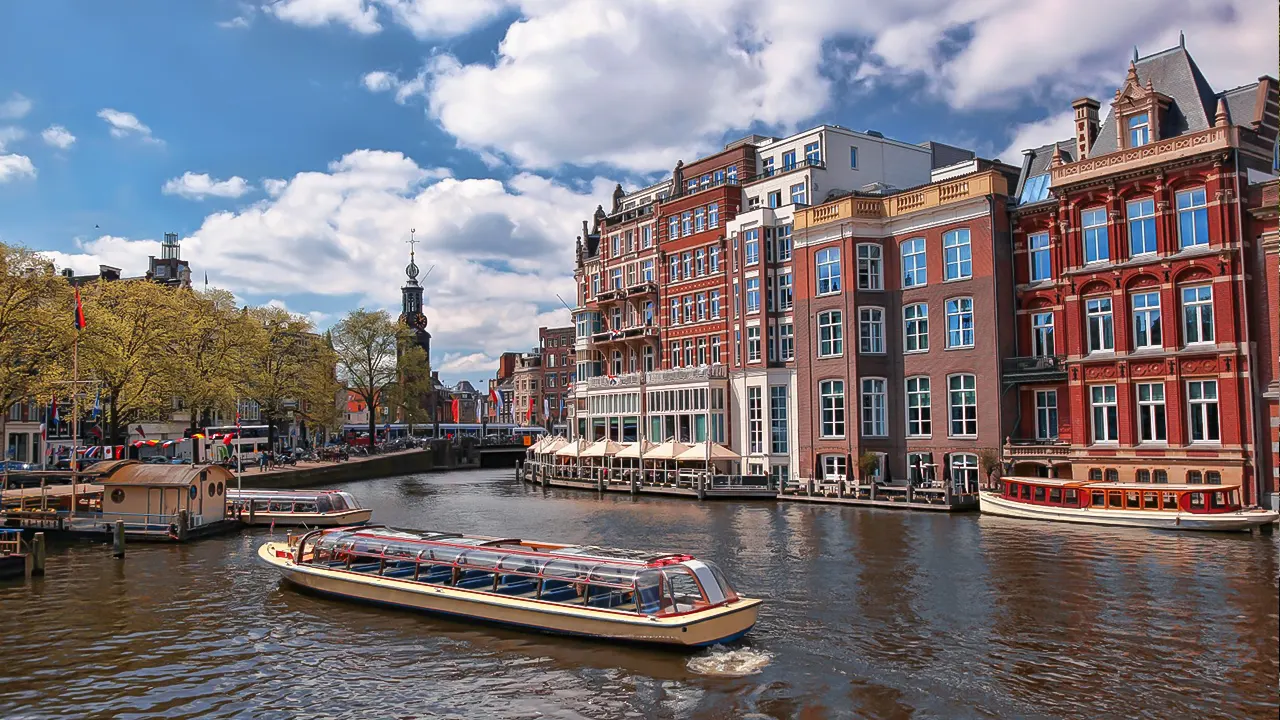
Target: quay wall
x=437, y=458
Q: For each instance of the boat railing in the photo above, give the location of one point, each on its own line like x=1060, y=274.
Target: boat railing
x=158, y=523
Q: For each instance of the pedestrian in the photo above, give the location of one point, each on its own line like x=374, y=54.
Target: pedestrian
x=262, y=461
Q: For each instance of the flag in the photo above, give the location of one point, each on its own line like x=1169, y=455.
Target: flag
x=455, y=409
x=546, y=407
x=44, y=431
x=97, y=404
x=142, y=433
x=79, y=311
x=562, y=407
x=530, y=408
x=56, y=421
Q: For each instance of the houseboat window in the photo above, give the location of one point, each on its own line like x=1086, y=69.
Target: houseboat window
x=1113, y=475
x=1197, y=500
x=1144, y=476
x=1072, y=498
x=1216, y=500
x=260, y=505
x=1025, y=490
x=1010, y=489
x=1150, y=501
x=721, y=580
x=1055, y=496
x=1131, y=500
x=1095, y=474
x=1213, y=477
x=1162, y=476
x=1194, y=477
x=1098, y=498
x=281, y=507
x=1169, y=501
x=683, y=590
x=117, y=496
x=1038, y=493
x=213, y=489
x=1114, y=499
x=220, y=489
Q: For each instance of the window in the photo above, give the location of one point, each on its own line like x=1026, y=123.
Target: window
x=1146, y=320
x=713, y=215
x=1096, y=248
x=715, y=303
x=1142, y=227
x=1139, y=130
x=870, y=276
x=828, y=271
x=699, y=220
x=1212, y=477
x=615, y=249
x=874, y=423
x=700, y=262
x=785, y=300
x=1046, y=414
x=1038, y=246
x=646, y=236
x=783, y=235
x=915, y=330
x=688, y=308
x=751, y=246
x=1151, y=426
x=871, y=330
x=813, y=154
x=731, y=176
x=702, y=306
x=831, y=394
x=686, y=265
x=702, y=351
x=786, y=342
x=753, y=344
x=775, y=199
x=853, y=158
x=715, y=349
x=960, y=322
x=964, y=471
x=1105, y=419
x=675, y=353
x=788, y=160
x=958, y=255
x=797, y=194
x=647, y=270
x=834, y=468
x=962, y=398
x=753, y=294
x=919, y=410
x=674, y=272
x=673, y=228
x=1101, y=334
x=755, y=420
x=1197, y=314
x=1202, y=401
x=648, y=359
x=713, y=259
x=778, y=440
x=686, y=223
x=1042, y=334
x=830, y=334
x=615, y=279
x=914, y=265
x=675, y=311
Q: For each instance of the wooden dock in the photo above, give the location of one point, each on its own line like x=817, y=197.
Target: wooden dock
x=709, y=487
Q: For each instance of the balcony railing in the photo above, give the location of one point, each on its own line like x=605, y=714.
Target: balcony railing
x=624, y=380
x=1162, y=151
x=1016, y=449
x=693, y=374
x=1040, y=368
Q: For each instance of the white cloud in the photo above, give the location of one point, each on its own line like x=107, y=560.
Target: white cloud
x=424, y=18
x=58, y=137
x=9, y=134
x=274, y=186
x=1029, y=136
x=467, y=364
x=128, y=255
x=125, y=124
x=15, y=107
x=14, y=166
x=237, y=22
x=380, y=81
x=501, y=251
x=198, y=186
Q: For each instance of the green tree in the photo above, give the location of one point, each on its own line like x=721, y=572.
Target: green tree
x=414, y=381
x=279, y=367
x=213, y=339
x=366, y=345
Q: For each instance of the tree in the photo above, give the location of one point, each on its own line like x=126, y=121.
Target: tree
x=279, y=367
x=213, y=338
x=414, y=383
x=366, y=344
x=35, y=329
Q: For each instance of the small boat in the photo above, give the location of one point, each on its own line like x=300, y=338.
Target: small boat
x=312, y=508
x=1172, y=507
x=627, y=595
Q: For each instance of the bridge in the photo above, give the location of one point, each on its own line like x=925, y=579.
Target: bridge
x=500, y=455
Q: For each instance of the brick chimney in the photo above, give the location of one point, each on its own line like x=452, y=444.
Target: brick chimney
x=1086, y=125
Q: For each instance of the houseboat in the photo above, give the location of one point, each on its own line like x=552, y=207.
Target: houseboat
x=316, y=508
x=626, y=595
x=1173, y=507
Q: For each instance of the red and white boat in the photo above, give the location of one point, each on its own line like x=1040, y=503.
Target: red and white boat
x=1171, y=507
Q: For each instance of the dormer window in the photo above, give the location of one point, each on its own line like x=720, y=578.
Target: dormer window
x=1139, y=130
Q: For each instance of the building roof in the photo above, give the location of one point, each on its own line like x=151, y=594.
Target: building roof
x=1174, y=73
x=1242, y=104
x=132, y=472
x=1033, y=185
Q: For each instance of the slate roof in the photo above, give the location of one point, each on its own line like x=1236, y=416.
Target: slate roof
x=1242, y=104
x=1173, y=73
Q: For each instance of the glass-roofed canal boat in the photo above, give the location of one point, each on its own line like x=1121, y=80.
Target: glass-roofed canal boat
x=307, y=508
x=627, y=595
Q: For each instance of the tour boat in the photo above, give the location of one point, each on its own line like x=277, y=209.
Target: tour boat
x=315, y=508
x=625, y=595
x=1174, y=507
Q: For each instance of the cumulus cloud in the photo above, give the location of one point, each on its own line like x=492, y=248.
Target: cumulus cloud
x=198, y=186
x=381, y=81
x=10, y=134
x=14, y=166
x=125, y=125
x=1029, y=136
x=424, y=18
x=501, y=251
x=15, y=107
x=468, y=364
x=58, y=137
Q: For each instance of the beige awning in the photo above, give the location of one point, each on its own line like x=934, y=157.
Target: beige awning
x=600, y=449
x=572, y=449
x=669, y=450
x=700, y=452
x=632, y=450
x=548, y=445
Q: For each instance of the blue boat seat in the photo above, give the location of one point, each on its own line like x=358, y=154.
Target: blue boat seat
x=517, y=585
x=560, y=593
x=608, y=599
x=366, y=567
x=483, y=582
x=399, y=572
x=650, y=600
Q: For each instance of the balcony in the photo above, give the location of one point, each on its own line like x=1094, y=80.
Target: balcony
x=643, y=287
x=617, y=381
x=627, y=333
x=693, y=374
x=930, y=196
x=1023, y=450
x=1038, y=369
x=1156, y=153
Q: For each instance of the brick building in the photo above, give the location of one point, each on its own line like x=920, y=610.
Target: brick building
x=1135, y=360
x=1264, y=239
x=555, y=347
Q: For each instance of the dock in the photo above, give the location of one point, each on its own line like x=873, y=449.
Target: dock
x=695, y=486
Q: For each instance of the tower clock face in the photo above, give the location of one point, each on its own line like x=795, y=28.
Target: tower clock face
x=417, y=320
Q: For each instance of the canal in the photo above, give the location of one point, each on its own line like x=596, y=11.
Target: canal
x=870, y=614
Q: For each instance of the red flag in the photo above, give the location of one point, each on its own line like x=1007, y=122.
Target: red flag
x=79, y=311
x=455, y=409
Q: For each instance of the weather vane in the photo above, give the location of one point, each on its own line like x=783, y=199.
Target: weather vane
x=412, y=269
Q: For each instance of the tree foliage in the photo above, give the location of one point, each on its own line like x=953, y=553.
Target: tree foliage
x=214, y=339
x=366, y=345
x=278, y=369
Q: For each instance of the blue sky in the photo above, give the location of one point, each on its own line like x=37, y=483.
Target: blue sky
x=294, y=143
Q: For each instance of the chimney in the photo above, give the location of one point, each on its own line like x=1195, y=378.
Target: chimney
x=1086, y=125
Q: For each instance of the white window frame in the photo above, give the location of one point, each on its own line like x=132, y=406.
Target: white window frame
x=919, y=406
x=958, y=255
x=870, y=266
x=753, y=343
x=1141, y=214
x=1203, y=412
x=1042, y=334
x=1046, y=409
x=960, y=308
x=871, y=339
x=1104, y=415
x=1197, y=315
x=874, y=404
x=1038, y=248
x=915, y=263
x=962, y=395
x=831, y=408
x=1193, y=201
x=1094, y=234
x=1099, y=313
x=831, y=322
x=828, y=260
x=915, y=328
x=1151, y=408
x=1146, y=315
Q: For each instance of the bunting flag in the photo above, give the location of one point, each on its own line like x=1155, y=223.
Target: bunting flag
x=141, y=433
x=79, y=311
x=56, y=420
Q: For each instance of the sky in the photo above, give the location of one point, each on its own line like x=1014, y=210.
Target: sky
x=294, y=144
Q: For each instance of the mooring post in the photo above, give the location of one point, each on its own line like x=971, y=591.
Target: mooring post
x=251, y=513
x=184, y=521
x=635, y=481
x=702, y=486
x=37, y=554
x=117, y=539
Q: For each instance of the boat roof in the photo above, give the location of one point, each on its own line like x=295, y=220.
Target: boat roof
x=512, y=545
x=1048, y=482
x=1101, y=485
x=282, y=494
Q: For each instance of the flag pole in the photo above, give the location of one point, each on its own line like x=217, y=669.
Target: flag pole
x=75, y=408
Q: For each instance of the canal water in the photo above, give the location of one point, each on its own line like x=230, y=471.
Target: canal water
x=869, y=614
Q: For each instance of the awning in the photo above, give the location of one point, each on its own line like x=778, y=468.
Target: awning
x=600, y=449
x=632, y=450
x=700, y=453
x=571, y=450
x=669, y=450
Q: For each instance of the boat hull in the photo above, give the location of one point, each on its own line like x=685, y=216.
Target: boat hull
x=699, y=629
x=330, y=519
x=993, y=504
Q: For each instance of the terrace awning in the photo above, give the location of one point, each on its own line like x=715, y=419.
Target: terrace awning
x=632, y=450
x=700, y=452
x=600, y=449
x=572, y=450
x=669, y=450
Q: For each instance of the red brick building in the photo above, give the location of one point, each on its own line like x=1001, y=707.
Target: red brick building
x=556, y=349
x=1133, y=273
x=1264, y=239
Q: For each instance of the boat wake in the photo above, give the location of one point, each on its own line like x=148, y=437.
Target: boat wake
x=722, y=662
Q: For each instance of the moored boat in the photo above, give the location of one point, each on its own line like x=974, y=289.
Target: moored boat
x=627, y=595
x=1172, y=507
x=310, y=508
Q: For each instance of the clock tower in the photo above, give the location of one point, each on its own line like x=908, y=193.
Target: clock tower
x=411, y=302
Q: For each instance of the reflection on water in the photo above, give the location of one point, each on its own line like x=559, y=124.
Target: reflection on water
x=875, y=614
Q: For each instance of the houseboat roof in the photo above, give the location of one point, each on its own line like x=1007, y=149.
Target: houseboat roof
x=132, y=472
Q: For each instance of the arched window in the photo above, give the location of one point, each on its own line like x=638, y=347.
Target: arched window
x=1194, y=477
x=831, y=393
x=1095, y=474
x=915, y=270
x=1144, y=476
x=1162, y=476
x=1213, y=477
x=1113, y=475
